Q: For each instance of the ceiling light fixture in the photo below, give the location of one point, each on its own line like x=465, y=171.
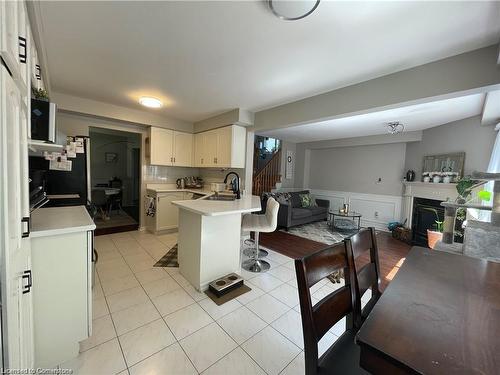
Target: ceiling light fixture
x=292, y=10
x=395, y=127
x=150, y=102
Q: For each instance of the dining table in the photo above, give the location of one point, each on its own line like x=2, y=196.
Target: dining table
x=439, y=315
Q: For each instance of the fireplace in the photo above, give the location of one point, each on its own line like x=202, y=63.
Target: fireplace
x=422, y=219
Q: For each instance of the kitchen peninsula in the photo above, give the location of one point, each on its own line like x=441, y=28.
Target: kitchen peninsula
x=209, y=237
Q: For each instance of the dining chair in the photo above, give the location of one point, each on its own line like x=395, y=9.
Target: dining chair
x=343, y=356
x=367, y=276
x=116, y=199
x=100, y=202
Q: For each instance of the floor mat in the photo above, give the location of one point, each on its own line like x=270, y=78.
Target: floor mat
x=229, y=295
x=169, y=259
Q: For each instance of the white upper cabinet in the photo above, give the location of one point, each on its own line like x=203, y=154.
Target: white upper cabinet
x=23, y=41
x=168, y=147
x=9, y=35
x=224, y=147
x=161, y=146
x=183, y=149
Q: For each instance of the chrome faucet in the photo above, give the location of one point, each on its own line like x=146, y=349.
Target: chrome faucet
x=236, y=187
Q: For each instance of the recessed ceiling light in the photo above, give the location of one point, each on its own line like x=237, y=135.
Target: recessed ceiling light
x=150, y=102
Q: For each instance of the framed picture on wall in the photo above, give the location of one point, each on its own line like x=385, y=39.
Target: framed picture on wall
x=110, y=157
x=453, y=162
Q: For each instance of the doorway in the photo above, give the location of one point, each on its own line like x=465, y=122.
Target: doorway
x=115, y=167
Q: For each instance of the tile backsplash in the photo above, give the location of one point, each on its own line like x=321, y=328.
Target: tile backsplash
x=166, y=175
x=157, y=174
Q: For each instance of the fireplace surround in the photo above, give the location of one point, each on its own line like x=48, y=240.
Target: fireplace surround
x=423, y=219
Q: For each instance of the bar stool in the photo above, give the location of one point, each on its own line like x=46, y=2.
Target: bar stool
x=260, y=223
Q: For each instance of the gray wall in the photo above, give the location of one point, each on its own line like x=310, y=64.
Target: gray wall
x=463, y=135
x=357, y=169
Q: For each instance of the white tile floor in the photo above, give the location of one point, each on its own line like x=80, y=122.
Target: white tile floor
x=150, y=321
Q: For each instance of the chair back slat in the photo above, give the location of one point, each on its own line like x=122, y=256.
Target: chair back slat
x=323, y=263
x=332, y=308
x=367, y=277
x=361, y=242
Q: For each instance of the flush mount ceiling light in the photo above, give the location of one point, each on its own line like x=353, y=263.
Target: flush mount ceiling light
x=395, y=127
x=292, y=10
x=150, y=102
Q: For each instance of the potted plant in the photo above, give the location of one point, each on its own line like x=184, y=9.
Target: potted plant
x=464, y=189
x=40, y=94
x=433, y=236
x=426, y=177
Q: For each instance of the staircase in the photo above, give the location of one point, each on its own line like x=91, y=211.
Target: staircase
x=265, y=180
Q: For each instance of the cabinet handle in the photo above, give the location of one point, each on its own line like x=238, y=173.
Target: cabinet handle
x=23, y=46
x=201, y=160
x=27, y=287
x=38, y=72
x=26, y=220
x=174, y=159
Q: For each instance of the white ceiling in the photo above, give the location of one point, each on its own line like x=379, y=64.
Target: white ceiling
x=204, y=58
x=415, y=117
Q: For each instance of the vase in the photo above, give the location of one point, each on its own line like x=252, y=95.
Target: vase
x=446, y=179
x=436, y=179
x=427, y=179
x=433, y=237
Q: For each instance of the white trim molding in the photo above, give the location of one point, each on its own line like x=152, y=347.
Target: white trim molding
x=377, y=210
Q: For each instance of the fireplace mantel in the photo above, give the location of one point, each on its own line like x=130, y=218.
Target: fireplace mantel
x=430, y=190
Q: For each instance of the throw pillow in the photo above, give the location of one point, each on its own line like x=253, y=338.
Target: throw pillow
x=306, y=200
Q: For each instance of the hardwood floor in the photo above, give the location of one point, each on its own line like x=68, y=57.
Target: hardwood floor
x=391, y=252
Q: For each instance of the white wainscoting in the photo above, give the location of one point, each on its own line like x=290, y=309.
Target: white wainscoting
x=377, y=210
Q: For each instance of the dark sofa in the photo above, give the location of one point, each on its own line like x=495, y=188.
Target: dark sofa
x=291, y=212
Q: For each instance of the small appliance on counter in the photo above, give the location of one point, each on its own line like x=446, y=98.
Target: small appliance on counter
x=190, y=182
x=217, y=186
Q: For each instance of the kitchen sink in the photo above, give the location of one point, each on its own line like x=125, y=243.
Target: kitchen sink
x=221, y=198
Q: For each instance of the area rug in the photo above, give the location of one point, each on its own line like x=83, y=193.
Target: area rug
x=319, y=231
x=169, y=259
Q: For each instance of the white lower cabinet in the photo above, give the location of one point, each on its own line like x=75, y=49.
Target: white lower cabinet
x=166, y=215
x=62, y=295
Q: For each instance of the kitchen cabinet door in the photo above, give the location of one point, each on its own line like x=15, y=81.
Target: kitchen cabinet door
x=23, y=58
x=224, y=147
x=167, y=215
x=16, y=299
x=199, y=156
x=210, y=148
x=183, y=149
x=9, y=35
x=161, y=146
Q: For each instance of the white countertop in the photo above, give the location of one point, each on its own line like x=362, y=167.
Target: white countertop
x=175, y=190
x=249, y=203
x=52, y=221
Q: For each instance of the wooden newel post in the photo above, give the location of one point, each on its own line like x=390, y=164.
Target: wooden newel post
x=449, y=224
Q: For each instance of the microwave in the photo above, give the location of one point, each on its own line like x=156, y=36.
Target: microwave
x=43, y=120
